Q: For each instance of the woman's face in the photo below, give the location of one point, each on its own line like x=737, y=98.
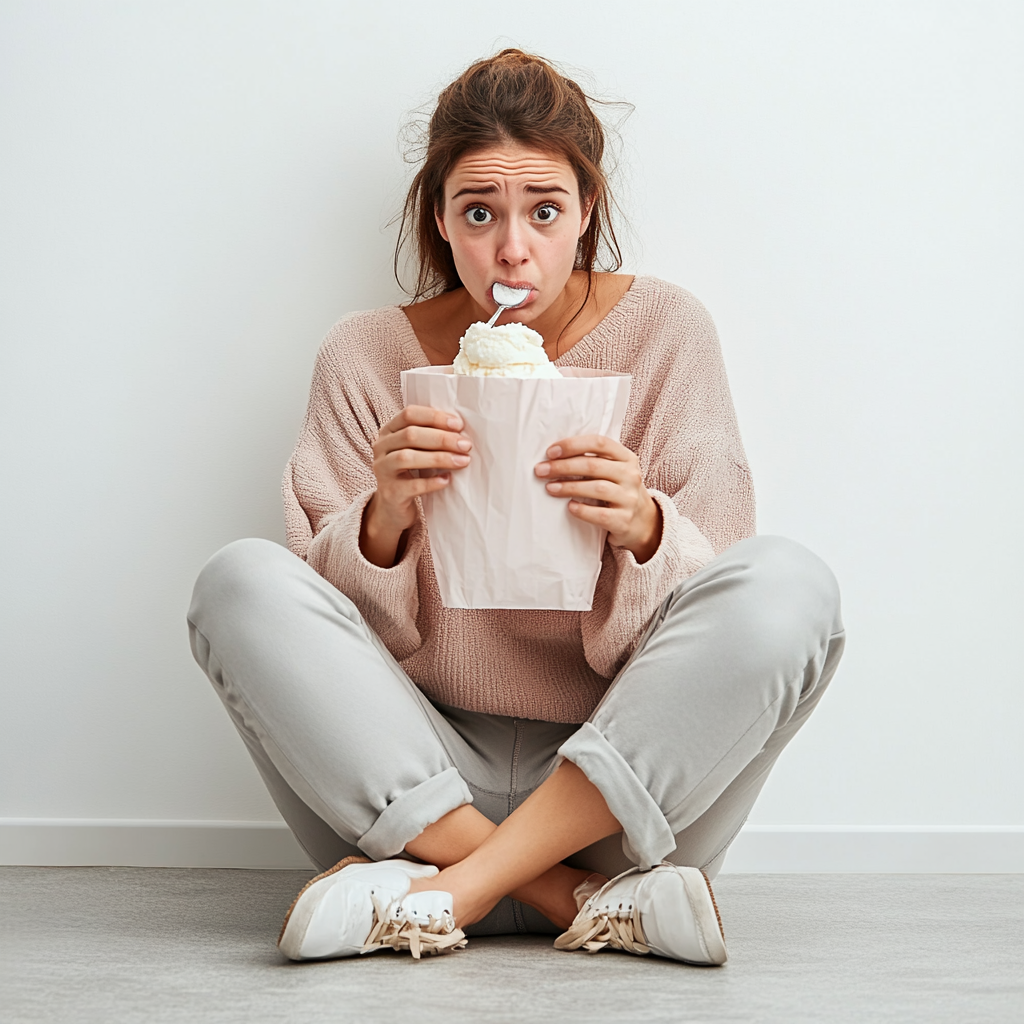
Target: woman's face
x=514, y=216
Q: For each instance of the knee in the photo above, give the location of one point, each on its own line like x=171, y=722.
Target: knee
x=238, y=573
x=791, y=579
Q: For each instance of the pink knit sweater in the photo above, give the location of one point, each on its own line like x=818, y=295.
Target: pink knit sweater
x=549, y=665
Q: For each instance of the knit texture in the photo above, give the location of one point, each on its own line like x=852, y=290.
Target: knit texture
x=548, y=665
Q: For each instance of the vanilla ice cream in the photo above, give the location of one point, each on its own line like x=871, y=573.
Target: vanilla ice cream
x=511, y=350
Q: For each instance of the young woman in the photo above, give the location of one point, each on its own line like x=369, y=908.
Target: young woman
x=484, y=772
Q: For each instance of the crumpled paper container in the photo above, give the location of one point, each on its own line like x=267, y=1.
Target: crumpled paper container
x=498, y=539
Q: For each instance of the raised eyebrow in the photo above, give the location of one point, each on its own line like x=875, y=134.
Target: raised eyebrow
x=487, y=190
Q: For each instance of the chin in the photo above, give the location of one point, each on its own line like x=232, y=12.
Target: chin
x=522, y=315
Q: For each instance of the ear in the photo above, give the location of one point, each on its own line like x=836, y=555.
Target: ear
x=440, y=226
x=588, y=208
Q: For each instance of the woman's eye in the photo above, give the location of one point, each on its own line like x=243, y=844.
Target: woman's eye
x=546, y=214
x=478, y=215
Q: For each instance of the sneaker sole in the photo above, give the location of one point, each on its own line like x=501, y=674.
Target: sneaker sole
x=714, y=903
x=705, y=911
x=301, y=920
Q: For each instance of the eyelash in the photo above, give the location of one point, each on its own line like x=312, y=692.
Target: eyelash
x=477, y=206
x=553, y=205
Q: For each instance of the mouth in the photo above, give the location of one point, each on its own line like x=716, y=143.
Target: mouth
x=518, y=286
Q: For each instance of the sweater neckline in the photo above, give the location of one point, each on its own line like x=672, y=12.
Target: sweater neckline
x=621, y=313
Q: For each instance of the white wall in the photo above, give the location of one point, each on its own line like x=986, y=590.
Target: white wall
x=193, y=192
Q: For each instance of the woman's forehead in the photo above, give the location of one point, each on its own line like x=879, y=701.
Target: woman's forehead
x=509, y=167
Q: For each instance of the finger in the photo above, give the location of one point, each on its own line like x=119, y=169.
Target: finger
x=427, y=484
x=609, y=519
x=603, y=491
x=596, y=443
x=585, y=465
x=403, y=490
x=423, y=438
x=423, y=416
x=405, y=460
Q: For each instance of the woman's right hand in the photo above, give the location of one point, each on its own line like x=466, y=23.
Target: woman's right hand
x=413, y=455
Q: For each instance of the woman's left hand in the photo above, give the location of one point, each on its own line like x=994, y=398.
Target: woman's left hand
x=612, y=477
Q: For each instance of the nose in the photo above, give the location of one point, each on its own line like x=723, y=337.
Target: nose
x=513, y=250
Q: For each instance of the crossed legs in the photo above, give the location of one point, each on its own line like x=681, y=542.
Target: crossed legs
x=482, y=862
x=744, y=649
x=677, y=751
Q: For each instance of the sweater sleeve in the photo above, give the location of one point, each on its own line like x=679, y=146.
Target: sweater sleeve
x=327, y=483
x=694, y=467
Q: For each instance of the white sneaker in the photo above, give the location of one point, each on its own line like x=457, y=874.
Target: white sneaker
x=669, y=910
x=359, y=906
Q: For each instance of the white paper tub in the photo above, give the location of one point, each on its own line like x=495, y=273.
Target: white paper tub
x=498, y=539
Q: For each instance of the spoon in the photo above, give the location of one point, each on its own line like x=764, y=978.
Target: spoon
x=507, y=298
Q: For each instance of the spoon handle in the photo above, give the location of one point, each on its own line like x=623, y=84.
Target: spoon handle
x=501, y=309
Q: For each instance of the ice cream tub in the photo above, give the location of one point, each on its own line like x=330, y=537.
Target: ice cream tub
x=497, y=538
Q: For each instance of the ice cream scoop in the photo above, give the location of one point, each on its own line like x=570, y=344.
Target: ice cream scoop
x=507, y=298
x=511, y=350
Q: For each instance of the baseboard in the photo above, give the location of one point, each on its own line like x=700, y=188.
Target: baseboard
x=268, y=844
x=137, y=843
x=877, y=850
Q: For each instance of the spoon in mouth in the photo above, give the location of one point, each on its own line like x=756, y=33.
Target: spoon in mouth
x=507, y=298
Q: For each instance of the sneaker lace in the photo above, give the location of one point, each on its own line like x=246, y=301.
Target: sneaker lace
x=393, y=927
x=618, y=927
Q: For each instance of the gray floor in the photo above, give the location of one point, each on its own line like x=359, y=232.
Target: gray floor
x=154, y=945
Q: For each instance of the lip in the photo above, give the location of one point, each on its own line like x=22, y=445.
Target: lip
x=513, y=284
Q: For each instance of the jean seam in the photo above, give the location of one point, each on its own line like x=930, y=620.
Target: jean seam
x=729, y=841
x=513, y=786
x=488, y=792
x=675, y=807
x=725, y=846
x=302, y=846
x=513, y=779
x=739, y=739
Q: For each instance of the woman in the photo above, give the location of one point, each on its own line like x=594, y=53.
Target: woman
x=484, y=772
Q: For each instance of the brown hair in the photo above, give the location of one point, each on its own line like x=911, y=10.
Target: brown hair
x=512, y=97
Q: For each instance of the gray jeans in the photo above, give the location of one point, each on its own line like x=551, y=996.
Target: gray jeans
x=358, y=760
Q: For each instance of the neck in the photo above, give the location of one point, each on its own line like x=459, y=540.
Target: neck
x=556, y=324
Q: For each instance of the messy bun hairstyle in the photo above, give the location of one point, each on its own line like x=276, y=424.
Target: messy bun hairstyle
x=510, y=98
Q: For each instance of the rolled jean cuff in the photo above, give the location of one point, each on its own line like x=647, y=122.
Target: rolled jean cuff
x=405, y=818
x=647, y=836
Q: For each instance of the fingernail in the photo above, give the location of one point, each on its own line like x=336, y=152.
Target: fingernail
x=543, y=469
x=554, y=451
x=554, y=488
x=454, y=422
x=460, y=460
x=465, y=444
